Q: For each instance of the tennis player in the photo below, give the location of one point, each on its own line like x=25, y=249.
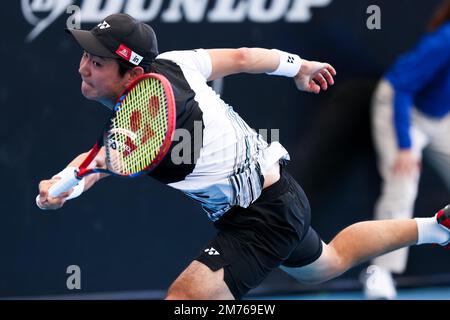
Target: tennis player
x=261, y=214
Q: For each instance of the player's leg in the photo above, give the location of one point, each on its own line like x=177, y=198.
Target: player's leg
x=365, y=240
x=251, y=242
x=398, y=192
x=199, y=282
x=356, y=244
x=209, y=275
x=235, y=260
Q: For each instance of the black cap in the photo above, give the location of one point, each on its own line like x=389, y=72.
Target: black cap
x=120, y=36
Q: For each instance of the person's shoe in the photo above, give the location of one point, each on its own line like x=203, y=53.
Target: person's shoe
x=443, y=218
x=378, y=284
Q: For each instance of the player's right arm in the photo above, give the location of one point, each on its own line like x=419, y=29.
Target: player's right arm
x=310, y=76
x=47, y=202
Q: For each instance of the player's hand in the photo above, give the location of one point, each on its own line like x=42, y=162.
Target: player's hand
x=314, y=76
x=406, y=163
x=44, y=201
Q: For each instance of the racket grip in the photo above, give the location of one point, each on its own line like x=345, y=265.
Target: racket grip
x=66, y=183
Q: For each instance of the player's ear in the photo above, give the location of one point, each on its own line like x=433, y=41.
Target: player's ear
x=136, y=72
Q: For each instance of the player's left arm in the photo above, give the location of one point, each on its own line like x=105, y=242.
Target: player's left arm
x=309, y=76
x=44, y=201
x=98, y=162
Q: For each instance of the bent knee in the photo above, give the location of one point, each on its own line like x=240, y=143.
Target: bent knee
x=329, y=265
x=311, y=278
x=177, y=295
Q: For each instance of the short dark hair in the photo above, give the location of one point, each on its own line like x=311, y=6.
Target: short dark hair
x=125, y=66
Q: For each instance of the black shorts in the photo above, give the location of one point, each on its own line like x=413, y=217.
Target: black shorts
x=274, y=230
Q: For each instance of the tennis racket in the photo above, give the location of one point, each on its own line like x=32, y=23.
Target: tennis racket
x=136, y=137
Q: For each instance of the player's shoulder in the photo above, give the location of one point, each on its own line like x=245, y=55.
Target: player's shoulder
x=179, y=55
x=197, y=60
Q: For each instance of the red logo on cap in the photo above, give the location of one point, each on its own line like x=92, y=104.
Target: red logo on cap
x=124, y=52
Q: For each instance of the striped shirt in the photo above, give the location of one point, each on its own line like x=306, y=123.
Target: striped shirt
x=215, y=158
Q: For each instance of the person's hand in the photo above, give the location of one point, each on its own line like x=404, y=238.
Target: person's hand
x=314, y=76
x=405, y=163
x=44, y=201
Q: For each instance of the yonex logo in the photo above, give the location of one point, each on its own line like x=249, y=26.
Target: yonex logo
x=290, y=59
x=212, y=252
x=103, y=25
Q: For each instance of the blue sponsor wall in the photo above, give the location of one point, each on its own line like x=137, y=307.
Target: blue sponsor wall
x=138, y=234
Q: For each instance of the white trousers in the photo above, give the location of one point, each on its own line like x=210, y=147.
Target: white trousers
x=398, y=194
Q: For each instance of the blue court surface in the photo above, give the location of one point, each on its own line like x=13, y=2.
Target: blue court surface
x=432, y=286
x=279, y=286
x=429, y=293
x=339, y=291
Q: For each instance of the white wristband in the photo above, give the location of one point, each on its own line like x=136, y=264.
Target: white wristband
x=78, y=189
x=289, y=65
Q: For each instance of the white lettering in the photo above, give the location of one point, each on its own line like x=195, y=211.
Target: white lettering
x=181, y=152
x=224, y=11
x=374, y=21
x=188, y=310
x=138, y=10
x=58, y=8
x=275, y=11
x=92, y=11
x=198, y=138
x=74, y=280
x=42, y=5
x=74, y=20
x=194, y=10
x=301, y=9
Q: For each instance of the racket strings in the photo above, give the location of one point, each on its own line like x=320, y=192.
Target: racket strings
x=138, y=129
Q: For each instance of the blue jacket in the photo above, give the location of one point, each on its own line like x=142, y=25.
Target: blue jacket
x=421, y=78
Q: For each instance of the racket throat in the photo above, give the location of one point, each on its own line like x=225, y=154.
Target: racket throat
x=79, y=174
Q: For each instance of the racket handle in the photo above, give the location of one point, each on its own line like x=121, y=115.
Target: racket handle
x=66, y=183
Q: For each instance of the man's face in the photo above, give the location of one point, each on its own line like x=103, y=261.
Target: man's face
x=101, y=80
